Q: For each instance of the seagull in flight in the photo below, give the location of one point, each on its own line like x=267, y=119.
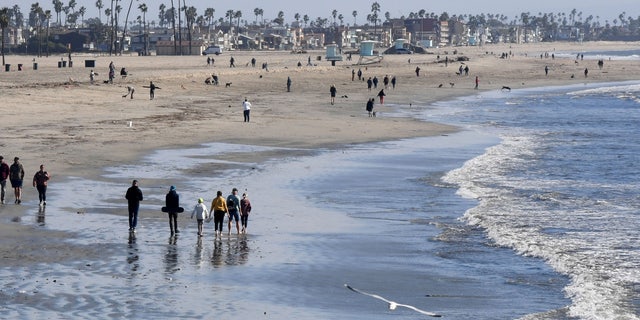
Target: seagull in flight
x=392, y=304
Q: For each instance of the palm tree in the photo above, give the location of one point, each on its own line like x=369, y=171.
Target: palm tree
x=99, y=5
x=375, y=8
x=297, y=17
x=208, y=14
x=143, y=8
x=82, y=11
x=173, y=23
x=161, y=14
x=4, y=23
x=354, y=14
x=190, y=15
x=72, y=5
x=238, y=15
x=57, y=7
x=124, y=31
x=256, y=12
x=334, y=14
x=305, y=18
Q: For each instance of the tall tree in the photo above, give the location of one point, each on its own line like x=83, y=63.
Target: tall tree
x=190, y=15
x=257, y=12
x=143, y=8
x=208, y=14
x=4, y=23
x=58, y=6
x=334, y=14
x=161, y=14
x=99, y=5
x=354, y=14
x=375, y=8
x=238, y=15
x=124, y=31
x=82, y=10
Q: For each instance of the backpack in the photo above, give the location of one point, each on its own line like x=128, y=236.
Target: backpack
x=230, y=203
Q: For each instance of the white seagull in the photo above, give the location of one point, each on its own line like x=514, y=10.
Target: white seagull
x=392, y=304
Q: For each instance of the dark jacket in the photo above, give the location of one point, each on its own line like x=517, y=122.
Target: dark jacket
x=134, y=195
x=173, y=201
x=4, y=171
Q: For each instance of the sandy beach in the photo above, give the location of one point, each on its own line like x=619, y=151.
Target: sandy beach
x=56, y=117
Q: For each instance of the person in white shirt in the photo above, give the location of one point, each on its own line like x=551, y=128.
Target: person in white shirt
x=201, y=213
x=247, y=109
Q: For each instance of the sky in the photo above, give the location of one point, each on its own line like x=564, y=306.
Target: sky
x=607, y=10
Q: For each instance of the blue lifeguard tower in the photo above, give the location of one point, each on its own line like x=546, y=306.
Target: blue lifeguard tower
x=332, y=54
x=366, y=53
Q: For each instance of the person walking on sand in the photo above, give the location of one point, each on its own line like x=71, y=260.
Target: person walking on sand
x=201, y=213
x=130, y=91
x=16, y=175
x=369, y=84
x=219, y=209
x=381, y=95
x=477, y=82
x=369, y=107
x=288, y=84
x=245, y=209
x=246, y=106
x=133, y=196
x=232, y=62
x=233, y=204
x=112, y=72
x=333, y=91
x=393, y=82
x=152, y=90
x=172, y=202
x=417, y=71
x=4, y=175
x=92, y=76
x=586, y=72
x=40, y=181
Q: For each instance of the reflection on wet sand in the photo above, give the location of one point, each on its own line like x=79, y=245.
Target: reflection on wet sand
x=133, y=257
x=230, y=252
x=171, y=256
x=40, y=216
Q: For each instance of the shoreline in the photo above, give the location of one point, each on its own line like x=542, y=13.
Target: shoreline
x=84, y=127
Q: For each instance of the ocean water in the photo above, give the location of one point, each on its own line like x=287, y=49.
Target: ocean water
x=627, y=55
x=561, y=186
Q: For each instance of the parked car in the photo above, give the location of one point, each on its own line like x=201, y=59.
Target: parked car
x=212, y=50
x=403, y=51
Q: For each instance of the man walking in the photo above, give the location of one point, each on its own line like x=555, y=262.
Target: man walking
x=233, y=205
x=4, y=174
x=133, y=196
x=40, y=181
x=16, y=175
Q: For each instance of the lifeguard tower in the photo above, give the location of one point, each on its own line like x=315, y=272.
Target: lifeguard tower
x=332, y=54
x=366, y=53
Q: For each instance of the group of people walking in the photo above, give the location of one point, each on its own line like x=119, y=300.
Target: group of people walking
x=234, y=208
x=15, y=173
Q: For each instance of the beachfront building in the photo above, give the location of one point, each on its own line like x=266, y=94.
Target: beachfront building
x=184, y=48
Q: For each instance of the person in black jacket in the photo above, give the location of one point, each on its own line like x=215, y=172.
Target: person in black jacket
x=133, y=196
x=173, y=203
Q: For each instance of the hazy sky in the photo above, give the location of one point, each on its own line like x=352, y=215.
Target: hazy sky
x=607, y=10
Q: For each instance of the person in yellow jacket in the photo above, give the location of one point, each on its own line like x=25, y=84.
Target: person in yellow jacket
x=219, y=209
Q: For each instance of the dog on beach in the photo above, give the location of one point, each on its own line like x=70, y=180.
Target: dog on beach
x=452, y=84
x=227, y=85
x=440, y=85
x=506, y=88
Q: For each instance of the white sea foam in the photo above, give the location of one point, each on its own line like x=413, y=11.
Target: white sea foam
x=575, y=241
